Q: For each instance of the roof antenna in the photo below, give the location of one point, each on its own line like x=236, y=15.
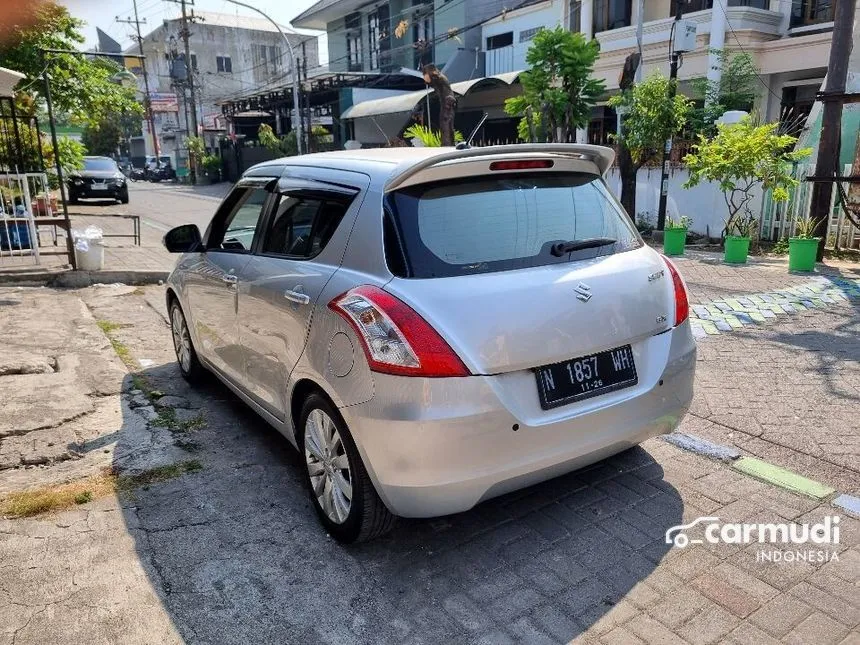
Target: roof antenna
x=465, y=145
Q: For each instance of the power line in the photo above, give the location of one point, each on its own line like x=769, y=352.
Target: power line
x=741, y=47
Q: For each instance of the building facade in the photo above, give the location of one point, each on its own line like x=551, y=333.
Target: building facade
x=789, y=41
x=231, y=56
x=389, y=35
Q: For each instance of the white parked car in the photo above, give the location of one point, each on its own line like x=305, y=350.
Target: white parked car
x=434, y=327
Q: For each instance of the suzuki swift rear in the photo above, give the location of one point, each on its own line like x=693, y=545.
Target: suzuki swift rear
x=495, y=321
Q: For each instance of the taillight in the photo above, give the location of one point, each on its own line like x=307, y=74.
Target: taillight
x=522, y=164
x=682, y=305
x=396, y=339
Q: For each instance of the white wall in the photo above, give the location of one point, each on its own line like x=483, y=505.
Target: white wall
x=704, y=203
x=513, y=58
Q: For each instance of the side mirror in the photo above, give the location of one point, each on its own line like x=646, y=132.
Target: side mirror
x=183, y=239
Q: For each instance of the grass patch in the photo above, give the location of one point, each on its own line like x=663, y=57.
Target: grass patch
x=48, y=499
x=124, y=353
x=159, y=474
x=167, y=419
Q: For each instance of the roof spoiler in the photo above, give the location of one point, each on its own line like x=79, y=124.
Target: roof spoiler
x=601, y=156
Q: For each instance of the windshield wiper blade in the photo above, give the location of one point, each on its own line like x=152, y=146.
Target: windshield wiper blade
x=563, y=248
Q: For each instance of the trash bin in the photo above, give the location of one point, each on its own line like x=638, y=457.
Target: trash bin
x=89, y=249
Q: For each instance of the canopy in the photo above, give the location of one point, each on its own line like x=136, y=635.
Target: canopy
x=407, y=102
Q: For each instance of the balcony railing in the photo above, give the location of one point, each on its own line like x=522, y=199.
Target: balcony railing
x=702, y=5
x=811, y=12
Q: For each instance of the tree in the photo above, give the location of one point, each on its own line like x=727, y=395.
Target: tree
x=558, y=90
x=739, y=158
x=80, y=86
x=737, y=89
x=102, y=138
x=650, y=118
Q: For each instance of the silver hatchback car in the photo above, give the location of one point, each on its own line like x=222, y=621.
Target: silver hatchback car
x=434, y=327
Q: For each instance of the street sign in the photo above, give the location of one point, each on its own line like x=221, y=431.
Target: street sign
x=163, y=102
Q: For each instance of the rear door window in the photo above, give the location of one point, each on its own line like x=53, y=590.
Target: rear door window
x=303, y=224
x=485, y=224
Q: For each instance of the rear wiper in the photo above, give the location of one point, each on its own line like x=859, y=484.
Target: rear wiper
x=562, y=248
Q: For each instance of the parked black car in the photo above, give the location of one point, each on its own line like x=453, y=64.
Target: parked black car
x=100, y=177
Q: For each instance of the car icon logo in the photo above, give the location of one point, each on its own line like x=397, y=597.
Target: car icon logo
x=583, y=292
x=681, y=539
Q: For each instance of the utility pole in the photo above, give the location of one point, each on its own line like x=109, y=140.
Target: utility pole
x=833, y=96
x=147, y=103
x=673, y=75
x=186, y=34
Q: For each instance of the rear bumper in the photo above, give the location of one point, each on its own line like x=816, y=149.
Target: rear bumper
x=439, y=446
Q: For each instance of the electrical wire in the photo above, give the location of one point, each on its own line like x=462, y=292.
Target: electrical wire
x=758, y=76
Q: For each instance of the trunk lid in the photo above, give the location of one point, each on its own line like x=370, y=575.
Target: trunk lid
x=511, y=320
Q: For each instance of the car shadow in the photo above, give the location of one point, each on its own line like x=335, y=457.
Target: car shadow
x=236, y=554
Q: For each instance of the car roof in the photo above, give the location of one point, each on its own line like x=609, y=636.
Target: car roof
x=97, y=157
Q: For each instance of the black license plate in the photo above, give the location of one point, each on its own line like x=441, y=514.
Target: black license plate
x=586, y=376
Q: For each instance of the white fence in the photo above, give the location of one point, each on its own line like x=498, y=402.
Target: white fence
x=707, y=208
x=779, y=219
x=21, y=196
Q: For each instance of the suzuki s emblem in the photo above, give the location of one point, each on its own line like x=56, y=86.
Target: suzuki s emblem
x=583, y=292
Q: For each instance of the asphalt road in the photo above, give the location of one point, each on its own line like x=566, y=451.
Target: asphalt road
x=163, y=206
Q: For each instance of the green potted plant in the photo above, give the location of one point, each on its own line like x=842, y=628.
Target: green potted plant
x=212, y=168
x=740, y=158
x=675, y=235
x=739, y=233
x=802, y=248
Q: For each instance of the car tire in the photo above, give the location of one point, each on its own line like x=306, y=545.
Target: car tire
x=123, y=196
x=333, y=464
x=186, y=356
x=74, y=199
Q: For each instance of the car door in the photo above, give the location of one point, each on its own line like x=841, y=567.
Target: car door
x=298, y=254
x=214, y=282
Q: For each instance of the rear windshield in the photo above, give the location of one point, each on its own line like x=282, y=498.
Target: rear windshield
x=100, y=164
x=484, y=224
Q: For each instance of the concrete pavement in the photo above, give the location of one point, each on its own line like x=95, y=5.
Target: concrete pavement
x=233, y=553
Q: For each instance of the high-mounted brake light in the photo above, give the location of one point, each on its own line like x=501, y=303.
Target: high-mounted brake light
x=396, y=339
x=682, y=304
x=522, y=164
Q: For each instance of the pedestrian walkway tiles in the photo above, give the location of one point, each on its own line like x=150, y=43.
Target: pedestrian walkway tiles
x=726, y=315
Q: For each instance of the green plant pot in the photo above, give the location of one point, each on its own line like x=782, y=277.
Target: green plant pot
x=802, y=252
x=737, y=249
x=674, y=240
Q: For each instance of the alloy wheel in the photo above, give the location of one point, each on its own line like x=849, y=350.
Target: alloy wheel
x=181, y=339
x=328, y=466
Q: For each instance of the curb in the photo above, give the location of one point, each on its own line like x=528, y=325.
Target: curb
x=68, y=279
x=766, y=472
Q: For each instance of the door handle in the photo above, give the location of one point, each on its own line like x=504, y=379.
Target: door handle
x=230, y=278
x=297, y=297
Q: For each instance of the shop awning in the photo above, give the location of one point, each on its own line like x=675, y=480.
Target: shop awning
x=407, y=102
x=386, y=105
